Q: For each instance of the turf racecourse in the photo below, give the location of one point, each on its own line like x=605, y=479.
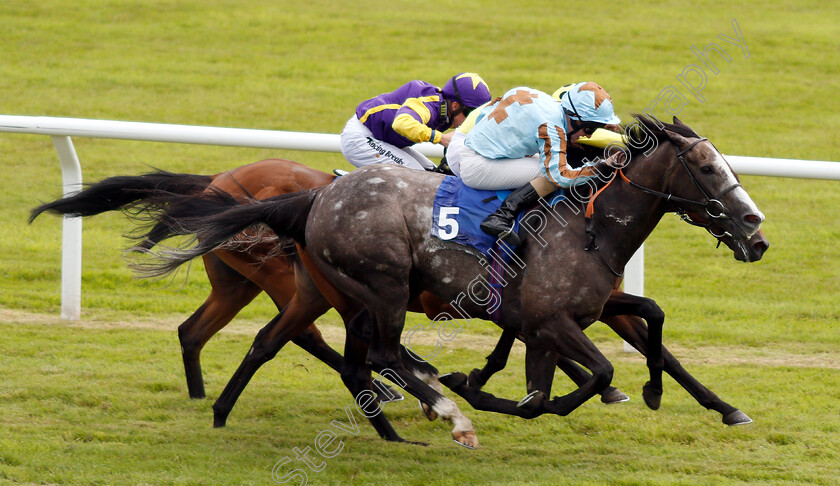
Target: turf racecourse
x=102, y=400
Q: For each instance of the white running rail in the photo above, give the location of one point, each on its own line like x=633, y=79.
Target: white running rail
x=62, y=129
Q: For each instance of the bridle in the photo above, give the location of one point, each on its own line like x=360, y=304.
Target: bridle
x=712, y=205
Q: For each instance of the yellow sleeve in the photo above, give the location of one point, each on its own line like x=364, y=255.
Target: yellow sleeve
x=413, y=130
x=408, y=126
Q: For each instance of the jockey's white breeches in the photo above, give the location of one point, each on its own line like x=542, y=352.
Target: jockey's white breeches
x=360, y=149
x=479, y=172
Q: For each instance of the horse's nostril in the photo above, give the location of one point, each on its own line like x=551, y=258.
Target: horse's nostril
x=753, y=219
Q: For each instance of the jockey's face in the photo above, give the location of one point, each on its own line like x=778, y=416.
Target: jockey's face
x=459, y=118
x=579, y=129
x=575, y=132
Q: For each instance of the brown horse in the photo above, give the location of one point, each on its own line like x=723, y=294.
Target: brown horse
x=385, y=277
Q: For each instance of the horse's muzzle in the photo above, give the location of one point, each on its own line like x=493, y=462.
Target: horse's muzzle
x=754, y=248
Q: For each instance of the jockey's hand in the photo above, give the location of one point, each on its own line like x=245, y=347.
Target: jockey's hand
x=443, y=167
x=617, y=160
x=445, y=138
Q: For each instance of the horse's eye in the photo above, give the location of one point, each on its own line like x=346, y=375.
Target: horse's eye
x=707, y=169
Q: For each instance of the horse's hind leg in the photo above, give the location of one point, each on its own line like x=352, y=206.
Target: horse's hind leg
x=292, y=320
x=579, y=376
x=386, y=363
x=561, y=338
x=425, y=371
x=357, y=378
x=497, y=360
x=230, y=293
x=311, y=341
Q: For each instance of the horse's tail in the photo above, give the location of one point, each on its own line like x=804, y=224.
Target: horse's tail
x=123, y=192
x=215, y=218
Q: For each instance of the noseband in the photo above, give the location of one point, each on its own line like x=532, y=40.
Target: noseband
x=712, y=204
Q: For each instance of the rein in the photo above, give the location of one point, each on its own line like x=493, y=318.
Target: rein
x=590, y=231
x=712, y=205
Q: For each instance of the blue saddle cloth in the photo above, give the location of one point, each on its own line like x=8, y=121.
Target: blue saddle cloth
x=459, y=210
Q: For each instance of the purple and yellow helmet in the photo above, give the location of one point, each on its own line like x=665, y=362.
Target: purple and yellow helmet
x=468, y=89
x=589, y=102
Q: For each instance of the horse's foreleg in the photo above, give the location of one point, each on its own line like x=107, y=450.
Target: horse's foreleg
x=634, y=331
x=626, y=305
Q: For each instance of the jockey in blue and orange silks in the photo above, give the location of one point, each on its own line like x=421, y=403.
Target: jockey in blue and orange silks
x=384, y=127
x=519, y=142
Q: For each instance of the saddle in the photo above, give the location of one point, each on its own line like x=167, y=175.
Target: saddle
x=459, y=210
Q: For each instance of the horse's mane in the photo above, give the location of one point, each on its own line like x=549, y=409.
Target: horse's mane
x=655, y=127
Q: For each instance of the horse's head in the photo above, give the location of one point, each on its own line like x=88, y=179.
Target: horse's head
x=750, y=250
x=699, y=184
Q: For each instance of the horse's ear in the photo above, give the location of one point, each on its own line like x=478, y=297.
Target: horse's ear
x=678, y=139
x=679, y=122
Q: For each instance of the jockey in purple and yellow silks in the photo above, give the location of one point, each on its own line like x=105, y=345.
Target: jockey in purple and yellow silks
x=520, y=142
x=384, y=127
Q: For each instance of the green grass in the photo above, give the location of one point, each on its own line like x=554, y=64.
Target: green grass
x=108, y=406
x=105, y=403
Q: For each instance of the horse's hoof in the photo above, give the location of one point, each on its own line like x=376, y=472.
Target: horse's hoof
x=453, y=380
x=219, y=419
x=532, y=401
x=386, y=394
x=653, y=397
x=614, y=395
x=474, y=381
x=428, y=411
x=196, y=390
x=466, y=439
x=737, y=418
x=383, y=399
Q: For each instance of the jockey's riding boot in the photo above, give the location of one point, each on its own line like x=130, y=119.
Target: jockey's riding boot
x=500, y=223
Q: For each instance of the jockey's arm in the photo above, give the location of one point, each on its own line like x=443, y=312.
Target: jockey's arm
x=411, y=120
x=553, y=157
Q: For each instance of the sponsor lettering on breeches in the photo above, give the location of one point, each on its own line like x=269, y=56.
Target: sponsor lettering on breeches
x=374, y=144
